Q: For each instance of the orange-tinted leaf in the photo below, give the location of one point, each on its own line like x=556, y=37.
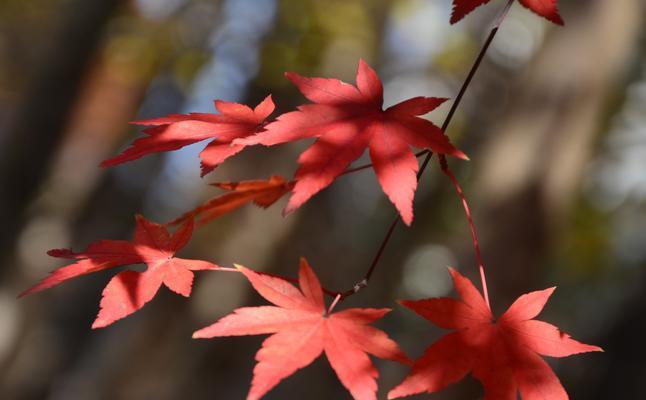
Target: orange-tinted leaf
x=302, y=330
x=346, y=120
x=263, y=193
x=503, y=355
x=128, y=291
x=178, y=130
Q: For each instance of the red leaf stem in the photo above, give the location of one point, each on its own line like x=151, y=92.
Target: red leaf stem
x=467, y=212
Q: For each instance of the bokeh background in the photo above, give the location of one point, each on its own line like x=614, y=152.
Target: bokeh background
x=555, y=123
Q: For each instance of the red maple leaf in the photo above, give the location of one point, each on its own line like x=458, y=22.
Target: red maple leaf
x=347, y=120
x=263, y=193
x=502, y=354
x=302, y=330
x=544, y=8
x=128, y=291
x=178, y=130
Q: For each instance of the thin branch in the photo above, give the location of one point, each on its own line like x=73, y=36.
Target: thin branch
x=369, y=165
x=465, y=85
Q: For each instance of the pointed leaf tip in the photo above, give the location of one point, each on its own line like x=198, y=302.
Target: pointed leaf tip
x=99, y=323
x=292, y=76
x=199, y=334
x=528, y=306
x=461, y=155
x=288, y=210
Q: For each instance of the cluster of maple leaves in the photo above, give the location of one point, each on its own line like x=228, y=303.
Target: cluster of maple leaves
x=502, y=353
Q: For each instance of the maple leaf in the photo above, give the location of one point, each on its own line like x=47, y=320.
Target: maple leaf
x=178, y=130
x=544, y=8
x=263, y=193
x=347, y=119
x=503, y=354
x=128, y=291
x=302, y=330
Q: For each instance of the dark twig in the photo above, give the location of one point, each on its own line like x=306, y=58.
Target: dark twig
x=369, y=165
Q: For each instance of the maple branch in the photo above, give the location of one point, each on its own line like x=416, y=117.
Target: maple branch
x=449, y=117
x=369, y=165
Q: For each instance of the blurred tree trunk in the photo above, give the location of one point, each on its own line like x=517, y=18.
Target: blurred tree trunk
x=530, y=168
x=36, y=130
